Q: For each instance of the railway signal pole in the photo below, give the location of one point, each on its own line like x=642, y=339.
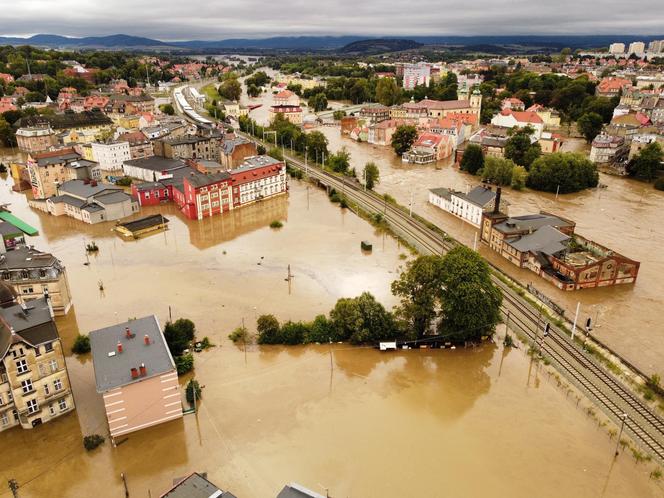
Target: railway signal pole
x=622, y=426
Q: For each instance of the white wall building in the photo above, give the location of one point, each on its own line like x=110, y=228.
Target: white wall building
x=656, y=47
x=111, y=156
x=617, y=48
x=416, y=74
x=511, y=119
x=469, y=207
x=638, y=48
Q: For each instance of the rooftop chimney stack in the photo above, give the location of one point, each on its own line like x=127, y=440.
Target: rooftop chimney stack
x=146, y=339
x=144, y=371
x=119, y=347
x=496, y=208
x=134, y=373
x=128, y=333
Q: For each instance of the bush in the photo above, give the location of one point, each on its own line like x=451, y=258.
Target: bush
x=240, y=334
x=184, y=363
x=125, y=181
x=320, y=330
x=519, y=178
x=167, y=109
x=292, y=333
x=268, y=329
x=193, y=387
x=276, y=224
x=261, y=149
x=179, y=334
x=81, y=344
x=206, y=343
x=659, y=183
x=93, y=441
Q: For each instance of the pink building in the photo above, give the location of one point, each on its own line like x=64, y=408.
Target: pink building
x=136, y=375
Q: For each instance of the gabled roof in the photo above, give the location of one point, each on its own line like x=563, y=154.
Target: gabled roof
x=545, y=239
x=479, y=196
x=196, y=486
x=31, y=323
x=523, y=116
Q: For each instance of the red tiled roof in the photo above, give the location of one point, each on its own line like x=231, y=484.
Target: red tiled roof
x=523, y=116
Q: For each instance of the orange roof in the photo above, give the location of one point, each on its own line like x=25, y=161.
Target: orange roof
x=523, y=116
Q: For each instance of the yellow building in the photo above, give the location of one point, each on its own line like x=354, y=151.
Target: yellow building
x=34, y=383
x=129, y=122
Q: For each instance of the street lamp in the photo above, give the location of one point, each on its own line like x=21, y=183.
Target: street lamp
x=622, y=426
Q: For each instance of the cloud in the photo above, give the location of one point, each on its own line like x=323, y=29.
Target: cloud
x=214, y=20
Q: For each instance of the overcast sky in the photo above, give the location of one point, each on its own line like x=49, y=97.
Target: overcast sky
x=215, y=19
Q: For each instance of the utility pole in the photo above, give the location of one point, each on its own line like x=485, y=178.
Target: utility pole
x=244, y=341
x=622, y=426
x=124, y=481
x=576, y=317
x=13, y=486
x=411, y=204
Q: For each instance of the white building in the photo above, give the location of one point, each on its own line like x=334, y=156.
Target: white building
x=111, y=156
x=416, y=74
x=617, y=48
x=469, y=207
x=638, y=48
x=519, y=119
x=656, y=47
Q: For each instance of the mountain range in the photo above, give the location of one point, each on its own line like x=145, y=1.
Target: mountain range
x=315, y=43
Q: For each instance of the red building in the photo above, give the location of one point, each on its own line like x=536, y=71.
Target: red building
x=199, y=195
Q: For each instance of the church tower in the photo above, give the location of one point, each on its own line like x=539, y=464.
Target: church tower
x=476, y=102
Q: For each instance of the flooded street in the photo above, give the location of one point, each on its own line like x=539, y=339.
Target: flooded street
x=355, y=421
x=623, y=217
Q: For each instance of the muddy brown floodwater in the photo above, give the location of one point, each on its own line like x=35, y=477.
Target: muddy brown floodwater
x=626, y=217
x=461, y=423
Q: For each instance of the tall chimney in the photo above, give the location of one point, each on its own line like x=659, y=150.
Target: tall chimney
x=146, y=339
x=127, y=332
x=144, y=371
x=496, y=208
x=134, y=373
x=119, y=347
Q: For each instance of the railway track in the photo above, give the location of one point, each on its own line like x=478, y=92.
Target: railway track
x=610, y=394
x=592, y=378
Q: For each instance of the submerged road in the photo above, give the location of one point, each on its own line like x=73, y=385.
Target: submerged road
x=616, y=399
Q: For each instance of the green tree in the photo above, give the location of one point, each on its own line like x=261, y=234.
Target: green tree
x=568, y=171
x=418, y=287
x=316, y=143
x=473, y=159
x=340, y=162
x=403, y=139
x=388, y=92
x=292, y=333
x=260, y=149
x=275, y=152
x=646, y=163
x=520, y=148
x=497, y=170
x=184, y=364
x=361, y=320
x=253, y=91
x=371, y=175
x=230, y=89
x=320, y=330
x=337, y=115
x=178, y=335
x=268, y=329
x=167, y=109
x=519, y=178
x=469, y=300
x=589, y=125
x=81, y=344
x=193, y=389
x=7, y=133
x=318, y=102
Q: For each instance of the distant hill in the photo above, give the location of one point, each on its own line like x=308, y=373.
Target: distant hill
x=344, y=44
x=379, y=46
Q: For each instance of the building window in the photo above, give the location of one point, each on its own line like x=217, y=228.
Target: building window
x=57, y=384
x=47, y=391
x=26, y=386
x=21, y=366
x=48, y=347
x=32, y=406
x=62, y=404
x=54, y=365
x=37, y=351
x=4, y=419
x=51, y=409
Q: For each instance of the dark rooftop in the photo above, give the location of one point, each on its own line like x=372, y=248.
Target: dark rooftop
x=294, y=490
x=113, y=369
x=196, y=486
x=26, y=258
x=156, y=163
x=531, y=222
x=32, y=322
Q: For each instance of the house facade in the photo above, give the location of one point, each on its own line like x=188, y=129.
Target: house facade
x=111, y=156
x=468, y=206
x=292, y=113
x=34, y=384
x=36, y=138
x=48, y=169
x=136, y=375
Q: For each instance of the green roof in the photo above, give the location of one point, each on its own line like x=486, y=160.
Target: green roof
x=6, y=216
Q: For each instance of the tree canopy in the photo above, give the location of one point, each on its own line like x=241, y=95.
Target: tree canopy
x=473, y=159
x=589, y=125
x=647, y=162
x=403, y=139
x=371, y=175
x=568, y=171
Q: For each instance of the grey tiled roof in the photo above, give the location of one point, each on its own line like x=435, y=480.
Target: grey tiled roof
x=545, y=239
x=115, y=370
x=33, y=324
x=530, y=222
x=196, y=486
x=25, y=258
x=79, y=188
x=480, y=196
x=156, y=163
